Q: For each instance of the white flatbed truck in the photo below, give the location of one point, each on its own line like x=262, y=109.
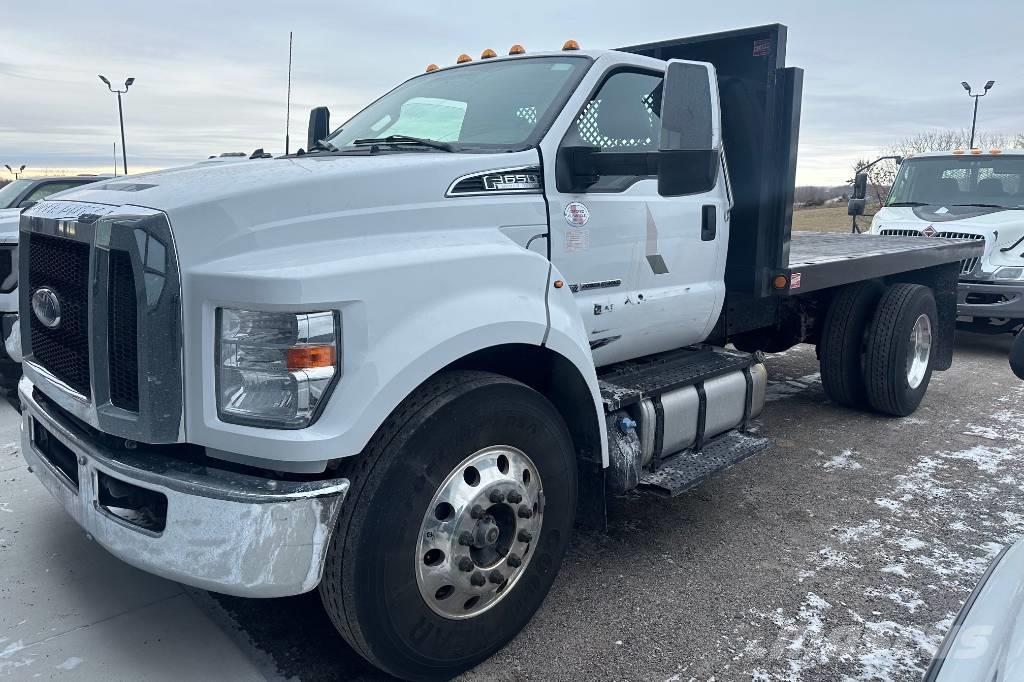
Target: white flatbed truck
x=401, y=365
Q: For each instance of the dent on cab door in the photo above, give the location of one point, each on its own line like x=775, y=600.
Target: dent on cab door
x=645, y=270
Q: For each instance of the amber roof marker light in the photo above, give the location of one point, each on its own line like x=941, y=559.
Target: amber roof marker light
x=432, y=67
x=463, y=58
x=517, y=49
x=571, y=45
x=488, y=54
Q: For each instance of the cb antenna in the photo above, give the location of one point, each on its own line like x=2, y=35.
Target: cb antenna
x=288, y=105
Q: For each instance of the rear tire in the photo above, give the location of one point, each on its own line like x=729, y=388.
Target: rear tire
x=898, y=362
x=841, y=349
x=374, y=587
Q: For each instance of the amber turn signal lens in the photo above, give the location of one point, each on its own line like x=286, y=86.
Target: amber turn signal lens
x=310, y=357
x=517, y=49
x=781, y=281
x=488, y=53
x=432, y=67
x=463, y=58
x=571, y=45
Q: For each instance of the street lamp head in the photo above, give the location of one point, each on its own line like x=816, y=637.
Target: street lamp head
x=104, y=79
x=128, y=83
x=8, y=168
x=22, y=168
x=967, y=86
x=988, y=86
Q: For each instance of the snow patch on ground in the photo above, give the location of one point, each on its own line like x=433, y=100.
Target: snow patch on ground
x=939, y=524
x=844, y=460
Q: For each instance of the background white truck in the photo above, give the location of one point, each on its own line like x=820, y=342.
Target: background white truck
x=402, y=364
x=973, y=194
x=14, y=197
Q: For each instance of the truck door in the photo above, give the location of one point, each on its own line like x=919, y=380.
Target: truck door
x=646, y=270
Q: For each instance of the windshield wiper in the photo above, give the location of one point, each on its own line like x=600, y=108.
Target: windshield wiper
x=405, y=139
x=983, y=205
x=906, y=203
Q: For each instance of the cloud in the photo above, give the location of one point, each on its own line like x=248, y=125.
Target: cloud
x=211, y=76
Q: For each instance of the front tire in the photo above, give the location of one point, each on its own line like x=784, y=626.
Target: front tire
x=430, y=513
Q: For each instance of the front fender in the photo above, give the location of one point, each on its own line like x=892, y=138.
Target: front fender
x=406, y=314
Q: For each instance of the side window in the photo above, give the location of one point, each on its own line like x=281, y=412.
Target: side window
x=46, y=189
x=622, y=116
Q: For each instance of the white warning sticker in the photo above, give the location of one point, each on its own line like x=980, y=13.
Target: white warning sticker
x=794, y=280
x=576, y=214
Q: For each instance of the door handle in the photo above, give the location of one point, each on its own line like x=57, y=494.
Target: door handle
x=708, y=222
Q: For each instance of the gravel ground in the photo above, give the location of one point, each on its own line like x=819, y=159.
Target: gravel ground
x=843, y=552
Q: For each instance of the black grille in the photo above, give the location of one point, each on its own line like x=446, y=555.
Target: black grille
x=62, y=265
x=122, y=333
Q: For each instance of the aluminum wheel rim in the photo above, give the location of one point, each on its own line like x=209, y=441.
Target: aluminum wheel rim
x=478, y=531
x=919, y=351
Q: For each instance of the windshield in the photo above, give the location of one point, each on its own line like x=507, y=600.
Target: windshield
x=9, y=193
x=996, y=181
x=502, y=105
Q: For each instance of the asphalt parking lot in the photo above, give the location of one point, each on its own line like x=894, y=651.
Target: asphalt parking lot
x=844, y=551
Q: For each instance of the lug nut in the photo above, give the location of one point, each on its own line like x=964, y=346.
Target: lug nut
x=514, y=561
x=496, y=577
x=525, y=511
x=514, y=497
x=497, y=496
x=478, y=579
x=466, y=564
x=477, y=512
x=525, y=536
x=465, y=538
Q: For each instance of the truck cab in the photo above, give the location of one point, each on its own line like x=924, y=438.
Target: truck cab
x=977, y=195
x=401, y=364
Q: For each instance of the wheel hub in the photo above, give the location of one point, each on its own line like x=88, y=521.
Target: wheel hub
x=919, y=351
x=477, y=532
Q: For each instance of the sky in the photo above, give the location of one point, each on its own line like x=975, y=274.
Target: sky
x=211, y=76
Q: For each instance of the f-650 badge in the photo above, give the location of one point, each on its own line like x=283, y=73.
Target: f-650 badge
x=502, y=182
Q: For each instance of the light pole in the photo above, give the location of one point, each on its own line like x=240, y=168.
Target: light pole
x=120, y=114
x=974, y=121
x=15, y=173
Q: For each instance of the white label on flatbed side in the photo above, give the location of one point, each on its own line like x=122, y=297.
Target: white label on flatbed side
x=794, y=281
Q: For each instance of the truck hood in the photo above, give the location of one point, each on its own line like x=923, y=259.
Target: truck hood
x=290, y=200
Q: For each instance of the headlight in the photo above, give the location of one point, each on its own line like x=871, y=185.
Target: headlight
x=1009, y=273
x=275, y=369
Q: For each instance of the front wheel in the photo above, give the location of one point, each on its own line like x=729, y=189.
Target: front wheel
x=458, y=518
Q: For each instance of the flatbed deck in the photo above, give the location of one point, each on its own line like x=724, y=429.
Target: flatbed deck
x=819, y=260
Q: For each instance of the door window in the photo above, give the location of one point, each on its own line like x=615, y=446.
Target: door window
x=622, y=116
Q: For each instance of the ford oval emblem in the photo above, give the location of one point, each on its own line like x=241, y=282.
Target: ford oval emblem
x=46, y=306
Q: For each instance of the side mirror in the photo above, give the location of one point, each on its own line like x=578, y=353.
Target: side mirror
x=319, y=126
x=860, y=186
x=855, y=207
x=691, y=129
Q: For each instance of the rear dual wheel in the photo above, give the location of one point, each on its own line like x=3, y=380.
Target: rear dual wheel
x=876, y=347
x=458, y=517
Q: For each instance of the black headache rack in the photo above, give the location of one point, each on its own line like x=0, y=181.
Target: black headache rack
x=760, y=99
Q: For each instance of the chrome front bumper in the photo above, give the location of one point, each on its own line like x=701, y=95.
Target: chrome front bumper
x=223, y=531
